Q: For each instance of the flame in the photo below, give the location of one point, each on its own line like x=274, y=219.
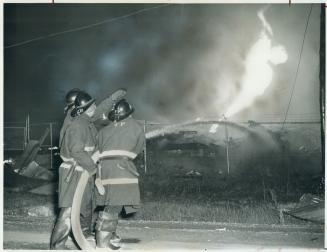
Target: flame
x=258, y=68
x=266, y=25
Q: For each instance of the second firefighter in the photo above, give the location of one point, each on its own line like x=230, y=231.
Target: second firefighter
x=117, y=178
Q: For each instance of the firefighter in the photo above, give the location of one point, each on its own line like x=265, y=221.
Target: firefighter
x=78, y=145
x=62, y=227
x=70, y=99
x=117, y=178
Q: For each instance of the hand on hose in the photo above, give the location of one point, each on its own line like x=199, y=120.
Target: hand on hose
x=99, y=186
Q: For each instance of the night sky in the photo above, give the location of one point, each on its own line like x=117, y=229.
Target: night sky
x=178, y=62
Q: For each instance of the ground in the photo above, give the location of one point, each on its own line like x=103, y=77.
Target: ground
x=34, y=233
x=170, y=223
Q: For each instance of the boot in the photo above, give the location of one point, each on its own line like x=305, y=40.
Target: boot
x=106, y=239
x=93, y=221
x=115, y=237
x=102, y=239
x=114, y=242
x=61, y=229
x=106, y=236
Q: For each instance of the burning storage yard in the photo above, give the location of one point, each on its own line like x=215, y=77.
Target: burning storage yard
x=229, y=100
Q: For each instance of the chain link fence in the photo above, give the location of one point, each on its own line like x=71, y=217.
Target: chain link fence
x=17, y=135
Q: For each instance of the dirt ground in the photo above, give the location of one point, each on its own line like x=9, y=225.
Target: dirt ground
x=34, y=233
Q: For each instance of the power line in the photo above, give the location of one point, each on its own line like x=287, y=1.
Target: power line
x=298, y=66
x=86, y=26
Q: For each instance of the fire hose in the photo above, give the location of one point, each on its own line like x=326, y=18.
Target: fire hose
x=76, y=210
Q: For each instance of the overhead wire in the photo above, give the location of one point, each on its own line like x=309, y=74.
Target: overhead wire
x=85, y=26
x=298, y=66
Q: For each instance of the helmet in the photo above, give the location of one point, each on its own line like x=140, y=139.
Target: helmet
x=121, y=110
x=82, y=102
x=70, y=98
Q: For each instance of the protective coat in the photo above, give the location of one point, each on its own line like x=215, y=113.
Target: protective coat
x=68, y=120
x=119, y=175
x=78, y=145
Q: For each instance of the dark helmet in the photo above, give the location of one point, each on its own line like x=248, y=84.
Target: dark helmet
x=122, y=109
x=82, y=102
x=70, y=98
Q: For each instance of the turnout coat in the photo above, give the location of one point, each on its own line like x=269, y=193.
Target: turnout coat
x=68, y=120
x=77, y=147
x=119, y=143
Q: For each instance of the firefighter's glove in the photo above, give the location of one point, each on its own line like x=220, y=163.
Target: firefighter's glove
x=99, y=186
x=118, y=94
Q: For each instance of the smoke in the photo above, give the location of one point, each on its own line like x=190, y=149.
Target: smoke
x=195, y=70
x=178, y=63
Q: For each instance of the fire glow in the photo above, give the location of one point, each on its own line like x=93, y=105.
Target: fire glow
x=259, y=63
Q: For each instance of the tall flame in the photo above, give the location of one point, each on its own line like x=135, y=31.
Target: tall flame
x=258, y=68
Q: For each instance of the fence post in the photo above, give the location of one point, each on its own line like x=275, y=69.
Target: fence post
x=25, y=138
x=51, y=146
x=144, y=129
x=26, y=132
x=28, y=127
x=227, y=145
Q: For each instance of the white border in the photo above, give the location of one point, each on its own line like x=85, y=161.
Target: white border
x=289, y=2
x=2, y=2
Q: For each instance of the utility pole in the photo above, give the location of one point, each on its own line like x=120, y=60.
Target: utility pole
x=322, y=78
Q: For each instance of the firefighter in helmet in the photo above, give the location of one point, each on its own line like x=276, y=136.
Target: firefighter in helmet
x=117, y=178
x=78, y=145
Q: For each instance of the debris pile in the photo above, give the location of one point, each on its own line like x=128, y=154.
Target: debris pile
x=34, y=170
x=26, y=173
x=310, y=207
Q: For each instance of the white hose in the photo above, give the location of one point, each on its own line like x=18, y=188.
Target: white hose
x=76, y=210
